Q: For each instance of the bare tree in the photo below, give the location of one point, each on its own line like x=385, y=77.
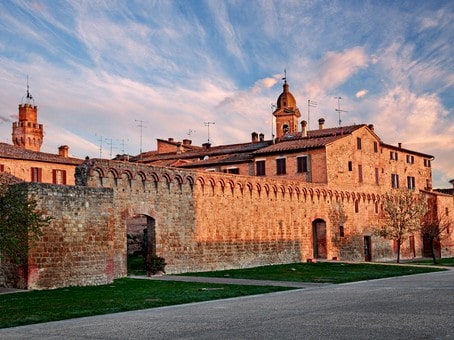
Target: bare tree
x=435, y=227
x=401, y=216
x=338, y=217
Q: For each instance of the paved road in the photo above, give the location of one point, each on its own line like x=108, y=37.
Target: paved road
x=411, y=307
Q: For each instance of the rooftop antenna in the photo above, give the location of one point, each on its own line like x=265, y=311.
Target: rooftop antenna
x=207, y=124
x=339, y=109
x=141, y=128
x=109, y=142
x=100, y=146
x=190, y=132
x=310, y=103
x=273, y=108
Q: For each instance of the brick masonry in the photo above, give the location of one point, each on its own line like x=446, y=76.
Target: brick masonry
x=202, y=221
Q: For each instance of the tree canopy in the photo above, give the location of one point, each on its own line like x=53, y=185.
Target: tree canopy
x=20, y=222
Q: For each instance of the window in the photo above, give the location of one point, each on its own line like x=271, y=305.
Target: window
x=428, y=184
x=358, y=143
x=393, y=156
x=377, y=176
x=395, y=181
x=410, y=159
x=260, y=168
x=59, y=176
x=235, y=171
x=280, y=166
x=341, y=231
x=427, y=163
x=356, y=206
x=36, y=174
x=2, y=167
x=375, y=147
x=411, y=182
x=301, y=164
x=376, y=207
x=350, y=166
x=360, y=173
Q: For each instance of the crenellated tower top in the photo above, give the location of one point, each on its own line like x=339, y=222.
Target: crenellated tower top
x=27, y=133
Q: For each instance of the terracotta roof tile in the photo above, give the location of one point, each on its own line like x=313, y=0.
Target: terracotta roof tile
x=14, y=152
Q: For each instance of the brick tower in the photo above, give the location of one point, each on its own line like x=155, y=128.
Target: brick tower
x=286, y=113
x=27, y=133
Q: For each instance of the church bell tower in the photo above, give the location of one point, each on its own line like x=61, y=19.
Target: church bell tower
x=27, y=133
x=286, y=113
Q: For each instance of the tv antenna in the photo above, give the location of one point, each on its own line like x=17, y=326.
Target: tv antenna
x=141, y=128
x=310, y=103
x=190, y=132
x=339, y=108
x=207, y=124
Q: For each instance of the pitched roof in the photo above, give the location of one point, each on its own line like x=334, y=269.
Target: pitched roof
x=15, y=152
x=314, y=139
x=215, y=154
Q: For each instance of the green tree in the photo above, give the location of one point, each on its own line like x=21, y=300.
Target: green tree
x=401, y=216
x=20, y=222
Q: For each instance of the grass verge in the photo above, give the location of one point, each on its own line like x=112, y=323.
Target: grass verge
x=440, y=262
x=123, y=295
x=329, y=272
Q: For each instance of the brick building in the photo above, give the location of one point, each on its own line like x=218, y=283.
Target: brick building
x=24, y=159
x=231, y=206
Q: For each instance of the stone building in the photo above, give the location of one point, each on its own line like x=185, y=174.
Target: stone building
x=23, y=159
x=305, y=195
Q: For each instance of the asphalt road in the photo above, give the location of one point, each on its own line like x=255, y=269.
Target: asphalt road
x=411, y=307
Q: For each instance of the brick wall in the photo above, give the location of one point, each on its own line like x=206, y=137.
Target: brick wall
x=202, y=221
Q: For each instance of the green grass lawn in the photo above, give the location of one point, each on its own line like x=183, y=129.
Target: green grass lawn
x=123, y=295
x=132, y=294
x=330, y=272
x=440, y=262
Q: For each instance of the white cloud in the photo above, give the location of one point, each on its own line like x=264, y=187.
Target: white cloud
x=361, y=93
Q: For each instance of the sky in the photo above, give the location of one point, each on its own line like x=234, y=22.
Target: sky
x=111, y=77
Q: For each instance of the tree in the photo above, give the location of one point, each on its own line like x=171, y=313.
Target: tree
x=401, y=216
x=20, y=222
x=435, y=227
x=338, y=217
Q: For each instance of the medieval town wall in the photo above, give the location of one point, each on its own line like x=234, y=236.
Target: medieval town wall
x=201, y=221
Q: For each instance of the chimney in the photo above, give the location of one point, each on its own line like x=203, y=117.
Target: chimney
x=255, y=137
x=187, y=142
x=63, y=151
x=371, y=126
x=321, y=123
x=261, y=137
x=400, y=145
x=206, y=146
x=303, y=128
x=170, y=139
x=452, y=182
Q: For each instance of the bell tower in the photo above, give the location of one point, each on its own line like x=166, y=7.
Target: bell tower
x=27, y=133
x=286, y=113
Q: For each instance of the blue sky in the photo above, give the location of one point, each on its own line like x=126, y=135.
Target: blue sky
x=98, y=68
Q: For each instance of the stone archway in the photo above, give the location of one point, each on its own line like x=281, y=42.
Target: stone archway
x=319, y=239
x=141, y=240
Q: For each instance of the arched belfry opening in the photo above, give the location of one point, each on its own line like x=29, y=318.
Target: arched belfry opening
x=141, y=238
x=319, y=239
